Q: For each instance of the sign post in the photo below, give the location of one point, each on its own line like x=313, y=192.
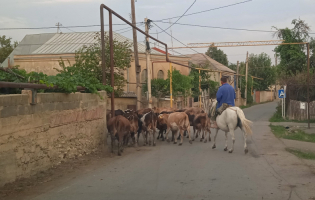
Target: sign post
x=281, y=95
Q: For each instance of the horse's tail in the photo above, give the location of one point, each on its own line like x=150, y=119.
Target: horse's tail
x=245, y=122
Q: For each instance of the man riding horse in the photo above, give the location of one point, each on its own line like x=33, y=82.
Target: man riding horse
x=225, y=98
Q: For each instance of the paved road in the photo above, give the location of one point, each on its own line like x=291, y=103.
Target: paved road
x=196, y=171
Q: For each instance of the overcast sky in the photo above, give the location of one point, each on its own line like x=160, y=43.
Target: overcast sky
x=256, y=14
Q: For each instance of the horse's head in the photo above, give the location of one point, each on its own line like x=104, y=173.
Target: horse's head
x=212, y=107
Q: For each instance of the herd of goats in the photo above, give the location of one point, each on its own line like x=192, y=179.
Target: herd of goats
x=130, y=124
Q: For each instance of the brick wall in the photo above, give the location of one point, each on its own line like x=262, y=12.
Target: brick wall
x=59, y=127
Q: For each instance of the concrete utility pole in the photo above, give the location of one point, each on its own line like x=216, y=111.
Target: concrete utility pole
x=246, y=74
x=276, y=63
x=237, y=71
x=148, y=62
x=58, y=26
x=135, y=53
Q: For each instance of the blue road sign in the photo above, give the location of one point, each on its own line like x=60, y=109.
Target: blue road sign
x=281, y=94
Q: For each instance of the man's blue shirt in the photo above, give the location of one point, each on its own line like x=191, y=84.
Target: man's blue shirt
x=226, y=94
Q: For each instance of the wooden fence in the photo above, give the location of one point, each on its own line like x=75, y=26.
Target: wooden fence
x=294, y=111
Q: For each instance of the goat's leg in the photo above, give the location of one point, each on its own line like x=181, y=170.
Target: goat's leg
x=181, y=132
x=153, y=132
x=175, y=134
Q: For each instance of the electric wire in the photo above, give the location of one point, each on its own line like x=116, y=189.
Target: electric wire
x=179, y=17
x=204, y=11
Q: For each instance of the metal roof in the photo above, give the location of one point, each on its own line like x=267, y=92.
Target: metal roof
x=29, y=44
x=63, y=43
x=204, y=59
x=71, y=42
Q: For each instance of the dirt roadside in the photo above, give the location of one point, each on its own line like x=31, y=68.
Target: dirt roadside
x=27, y=188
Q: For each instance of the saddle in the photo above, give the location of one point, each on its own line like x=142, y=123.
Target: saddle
x=220, y=110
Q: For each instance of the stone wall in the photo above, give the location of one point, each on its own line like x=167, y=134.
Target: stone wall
x=59, y=127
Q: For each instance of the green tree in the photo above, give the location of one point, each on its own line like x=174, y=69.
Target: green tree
x=205, y=82
x=232, y=66
x=159, y=88
x=312, y=52
x=217, y=55
x=292, y=57
x=88, y=62
x=181, y=84
x=260, y=66
x=6, y=47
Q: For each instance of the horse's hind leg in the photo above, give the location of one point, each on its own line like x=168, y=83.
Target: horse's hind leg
x=226, y=141
x=215, y=137
x=233, y=140
x=245, y=144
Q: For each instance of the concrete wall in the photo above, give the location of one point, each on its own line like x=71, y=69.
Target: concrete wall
x=59, y=127
x=122, y=103
x=266, y=96
x=43, y=63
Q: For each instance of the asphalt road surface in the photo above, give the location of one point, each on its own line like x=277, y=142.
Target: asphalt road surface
x=196, y=171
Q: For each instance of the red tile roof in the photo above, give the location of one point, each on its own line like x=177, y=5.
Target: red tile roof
x=161, y=51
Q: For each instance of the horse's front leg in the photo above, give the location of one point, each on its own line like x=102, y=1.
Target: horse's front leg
x=215, y=137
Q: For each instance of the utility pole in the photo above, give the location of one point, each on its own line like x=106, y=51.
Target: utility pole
x=237, y=76
x=58, y=26
x=246, y=74
x=147, y=55
x=135, y=53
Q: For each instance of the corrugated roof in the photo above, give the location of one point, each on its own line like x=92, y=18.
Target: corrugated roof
x=71, y=42
x=63, y=43
x=199, y=59
x=28, y=45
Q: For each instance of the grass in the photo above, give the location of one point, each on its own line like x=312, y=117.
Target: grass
x=282, y=132
x=302, y=154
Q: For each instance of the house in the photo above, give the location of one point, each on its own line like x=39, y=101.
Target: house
x=219, y=69
x=42, y=53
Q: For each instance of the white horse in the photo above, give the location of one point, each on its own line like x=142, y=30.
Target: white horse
x=228, y=121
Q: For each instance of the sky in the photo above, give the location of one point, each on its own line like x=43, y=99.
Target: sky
x=255, y=14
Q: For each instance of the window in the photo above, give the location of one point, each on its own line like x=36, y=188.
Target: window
x=144, y=76
x=160, y=74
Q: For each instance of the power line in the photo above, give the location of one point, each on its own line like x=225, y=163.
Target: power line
x=204, y=11
x=179, y=17
x=86, y=26
x=67, y=28
x=178, y=40
x=53, y=27
x=218, y=27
